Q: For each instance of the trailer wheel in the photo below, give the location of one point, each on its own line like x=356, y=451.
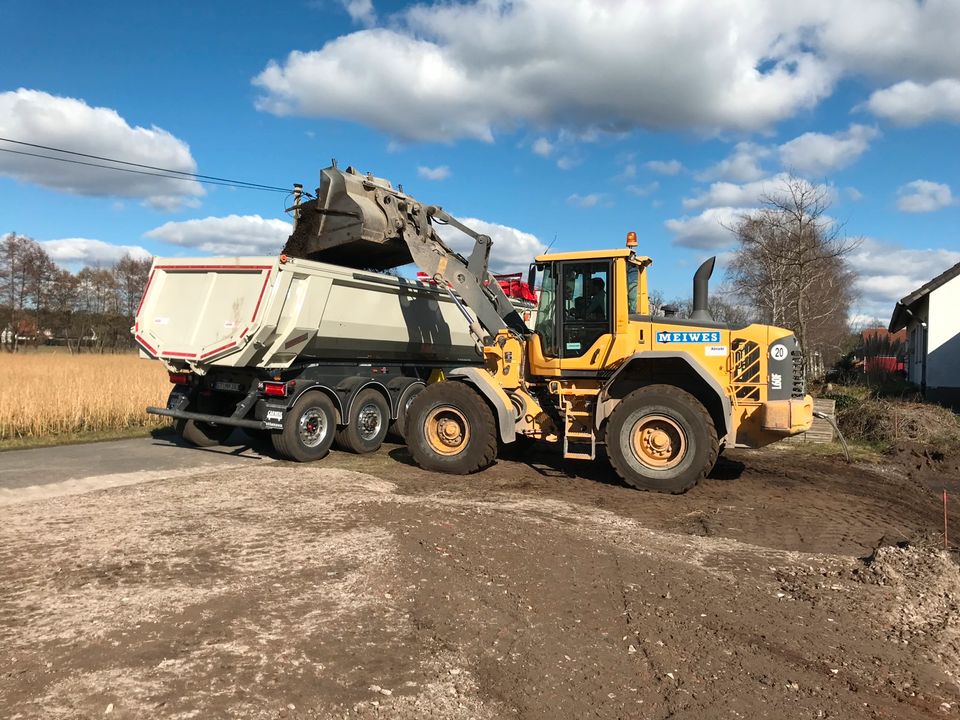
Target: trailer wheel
x=202, y=434
x=451, y=429
x=399, y=426
x=661, y=438
x=308, y=428
x=367, y=424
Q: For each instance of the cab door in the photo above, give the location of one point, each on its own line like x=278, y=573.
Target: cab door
x=585, y=323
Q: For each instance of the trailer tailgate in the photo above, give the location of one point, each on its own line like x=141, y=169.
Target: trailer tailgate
x=197, y=311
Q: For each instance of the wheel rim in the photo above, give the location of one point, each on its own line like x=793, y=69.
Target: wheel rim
x=369, y=421
x=658, y=442
x=312, y=427
x=447, y=430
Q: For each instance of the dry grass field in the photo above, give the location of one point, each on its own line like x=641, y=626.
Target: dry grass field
x=47, y=395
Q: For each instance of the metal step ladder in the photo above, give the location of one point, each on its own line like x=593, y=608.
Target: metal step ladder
x=578, y=422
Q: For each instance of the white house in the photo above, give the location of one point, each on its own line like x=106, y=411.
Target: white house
x=931, y=315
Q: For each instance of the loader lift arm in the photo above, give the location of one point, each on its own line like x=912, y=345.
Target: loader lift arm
x=361, y=221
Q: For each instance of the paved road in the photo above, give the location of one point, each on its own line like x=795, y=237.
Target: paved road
x=21, y=469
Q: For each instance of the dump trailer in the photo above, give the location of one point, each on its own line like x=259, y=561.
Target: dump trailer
x=661, y=396
x=246, y=338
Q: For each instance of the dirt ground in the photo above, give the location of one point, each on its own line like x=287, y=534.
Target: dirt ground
x=363, y=587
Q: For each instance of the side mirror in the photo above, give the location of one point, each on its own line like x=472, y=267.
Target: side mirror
x=532, y=277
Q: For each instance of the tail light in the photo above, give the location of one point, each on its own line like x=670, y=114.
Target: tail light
x=277, y=389
x=180, y=378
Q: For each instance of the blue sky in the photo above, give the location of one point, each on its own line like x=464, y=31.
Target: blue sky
x=539, y=119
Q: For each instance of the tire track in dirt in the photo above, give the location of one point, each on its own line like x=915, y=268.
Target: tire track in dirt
x=500, y=595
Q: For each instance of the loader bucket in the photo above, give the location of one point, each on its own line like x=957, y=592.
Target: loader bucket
x=350, y=223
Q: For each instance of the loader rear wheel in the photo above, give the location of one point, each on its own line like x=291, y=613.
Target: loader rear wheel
x=451, y=429
x=308, y=428
x=661, y=438
x=367, y=423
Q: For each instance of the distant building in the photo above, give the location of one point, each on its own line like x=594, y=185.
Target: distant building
x=882, y=352
x=931, y=317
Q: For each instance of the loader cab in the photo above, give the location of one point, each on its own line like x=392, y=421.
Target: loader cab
x=585, y=299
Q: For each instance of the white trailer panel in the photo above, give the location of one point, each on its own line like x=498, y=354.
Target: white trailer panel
x=267, y=312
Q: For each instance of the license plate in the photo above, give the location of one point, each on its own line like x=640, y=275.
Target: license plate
x=227, y=386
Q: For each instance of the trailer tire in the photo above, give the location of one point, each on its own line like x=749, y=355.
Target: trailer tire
x=399, y=426
x=367, y=423
x=661, y=438
x=451, y=429
x=308, y=429
x=202, y=434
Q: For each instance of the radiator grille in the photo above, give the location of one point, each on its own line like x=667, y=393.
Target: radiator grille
x=799, y=388
x=746, y=369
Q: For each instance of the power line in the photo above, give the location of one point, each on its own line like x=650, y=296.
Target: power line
x=140, y=172
x=163, y=172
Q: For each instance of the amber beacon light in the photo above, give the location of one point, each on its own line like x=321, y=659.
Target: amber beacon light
x=631, y=239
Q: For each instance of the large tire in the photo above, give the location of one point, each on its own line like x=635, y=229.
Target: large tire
x=308, y=429
x=367, y=423
x=399, y=426
x=451, y=429
x=661, y=438
x=202, y=434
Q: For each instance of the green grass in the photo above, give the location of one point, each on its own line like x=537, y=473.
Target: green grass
x=27, y=443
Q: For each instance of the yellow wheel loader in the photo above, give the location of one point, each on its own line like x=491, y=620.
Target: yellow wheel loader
x=662, y=395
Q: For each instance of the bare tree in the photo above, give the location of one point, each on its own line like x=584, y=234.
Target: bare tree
x=131, y=276
x=791, y=266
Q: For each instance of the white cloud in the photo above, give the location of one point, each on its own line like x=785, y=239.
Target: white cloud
x=746, y=194
x=853, y=194
x=360, y=11
x=80, y=252
x=465, y=70
x=230, y=235
x=710, y=230
x=585, y=201
x=441, y=172
x=643, y=190
x=924, y=196
x=513, y=250
x=818, y=153
x=43, y=119
x=543, y=147
x=664, y=167
x=566, y=162
x=742, y=165
x=886, y=273
x=912, y=103
x=886, y=38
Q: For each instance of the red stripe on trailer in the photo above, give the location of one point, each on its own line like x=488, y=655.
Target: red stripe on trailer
x=262, y=290
x=296, y=341
x=147, y=287
x=146, y=345
x=180, y=354
x=215, y=351
x=214, y=267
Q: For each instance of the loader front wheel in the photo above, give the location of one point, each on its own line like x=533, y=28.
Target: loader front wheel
x=661, y=438
x=451, y=429
x=308, y=429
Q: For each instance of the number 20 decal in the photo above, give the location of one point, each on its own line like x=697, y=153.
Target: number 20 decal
x=778, y=352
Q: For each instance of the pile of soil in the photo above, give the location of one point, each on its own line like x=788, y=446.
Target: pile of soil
x=926, y=611
x=936, y=466
x=885, y=421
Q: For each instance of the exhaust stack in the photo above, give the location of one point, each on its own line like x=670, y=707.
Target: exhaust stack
x=701, y=291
